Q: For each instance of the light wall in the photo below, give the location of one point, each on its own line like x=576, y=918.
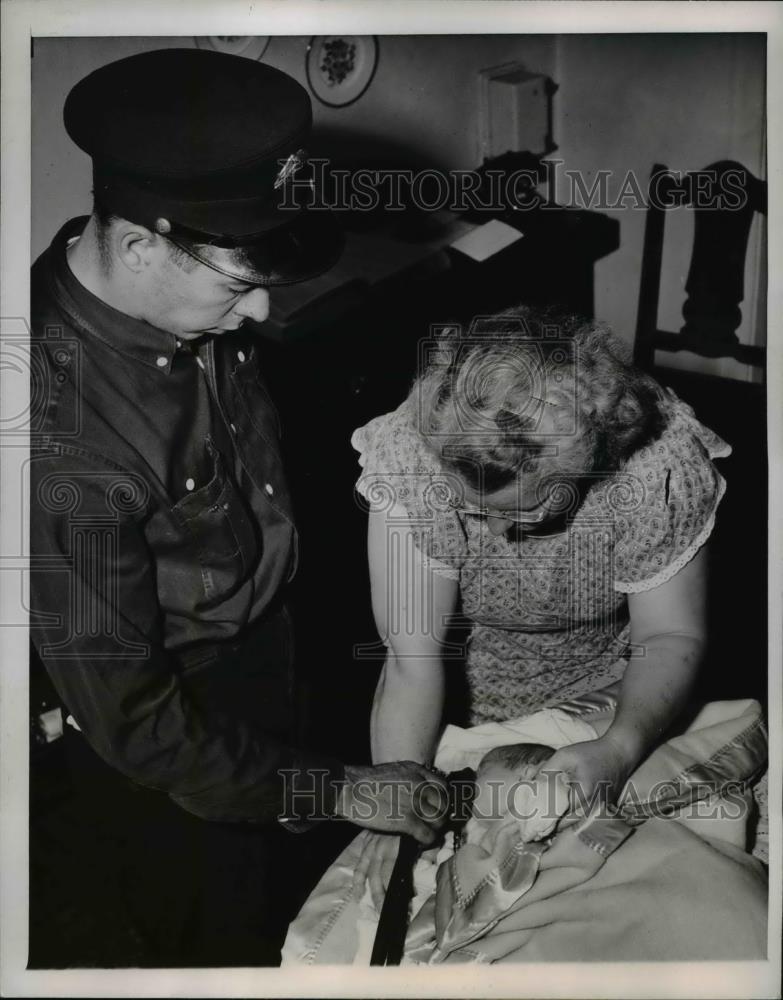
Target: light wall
x=624, y=102
x=424, y=97
x=628, y=101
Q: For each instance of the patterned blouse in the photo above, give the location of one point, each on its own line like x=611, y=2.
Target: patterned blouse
x=548, y=614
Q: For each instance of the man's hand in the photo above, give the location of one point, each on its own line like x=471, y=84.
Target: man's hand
x=594, y=772
x=399, y=797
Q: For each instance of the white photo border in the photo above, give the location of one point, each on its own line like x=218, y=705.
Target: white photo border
x=24, y=19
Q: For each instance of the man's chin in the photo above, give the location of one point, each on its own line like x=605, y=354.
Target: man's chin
x=224, y=329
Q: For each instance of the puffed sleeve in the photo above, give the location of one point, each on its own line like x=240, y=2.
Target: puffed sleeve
x=678, y=490
x=403, y=479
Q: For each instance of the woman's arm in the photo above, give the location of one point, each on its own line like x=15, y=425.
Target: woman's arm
x=669, y=624
x=412, y=604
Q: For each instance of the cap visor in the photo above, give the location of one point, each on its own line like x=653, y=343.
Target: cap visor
x=309, y=245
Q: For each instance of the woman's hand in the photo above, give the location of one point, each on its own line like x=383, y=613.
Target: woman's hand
x=376, y=863
x=668, y=623
x=594, y=772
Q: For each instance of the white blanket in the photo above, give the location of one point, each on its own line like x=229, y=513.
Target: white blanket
x=725, y=743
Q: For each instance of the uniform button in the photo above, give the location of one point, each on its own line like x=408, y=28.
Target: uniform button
x=162, y=362
x=199, y=362
x=269, y=489
x=241, y=355
x=189, y=484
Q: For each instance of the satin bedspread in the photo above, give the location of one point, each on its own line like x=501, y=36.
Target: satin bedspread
x=666, y=877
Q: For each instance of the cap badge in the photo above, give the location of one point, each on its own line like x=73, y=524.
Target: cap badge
x=294, y=162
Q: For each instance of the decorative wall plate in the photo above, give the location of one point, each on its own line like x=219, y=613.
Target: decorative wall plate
x=341, y=67
x=252, y=46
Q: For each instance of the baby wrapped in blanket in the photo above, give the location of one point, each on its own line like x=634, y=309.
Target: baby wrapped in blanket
x=531, y=880
x=507, y=791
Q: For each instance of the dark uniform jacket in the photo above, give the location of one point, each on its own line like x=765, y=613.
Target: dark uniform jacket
x=161, y=542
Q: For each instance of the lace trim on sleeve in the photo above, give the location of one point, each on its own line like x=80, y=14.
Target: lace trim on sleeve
x=360, y=443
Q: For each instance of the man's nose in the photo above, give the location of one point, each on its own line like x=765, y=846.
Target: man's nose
x=254, y=305
x=499, y=525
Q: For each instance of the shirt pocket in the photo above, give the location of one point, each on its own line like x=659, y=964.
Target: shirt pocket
x=220, y=531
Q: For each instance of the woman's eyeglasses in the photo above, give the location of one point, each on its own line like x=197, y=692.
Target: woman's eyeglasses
x=516, y=518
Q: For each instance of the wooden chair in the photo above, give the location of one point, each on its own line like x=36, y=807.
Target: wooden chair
x=725, y=197
x=734, y=409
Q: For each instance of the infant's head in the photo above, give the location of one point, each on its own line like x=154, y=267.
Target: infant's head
x=516, y=757
x=500, y=771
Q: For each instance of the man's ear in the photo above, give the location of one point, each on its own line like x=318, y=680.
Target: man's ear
x=136, y=246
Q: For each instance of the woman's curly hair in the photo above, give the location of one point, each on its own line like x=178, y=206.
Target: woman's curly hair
x=490, y=403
